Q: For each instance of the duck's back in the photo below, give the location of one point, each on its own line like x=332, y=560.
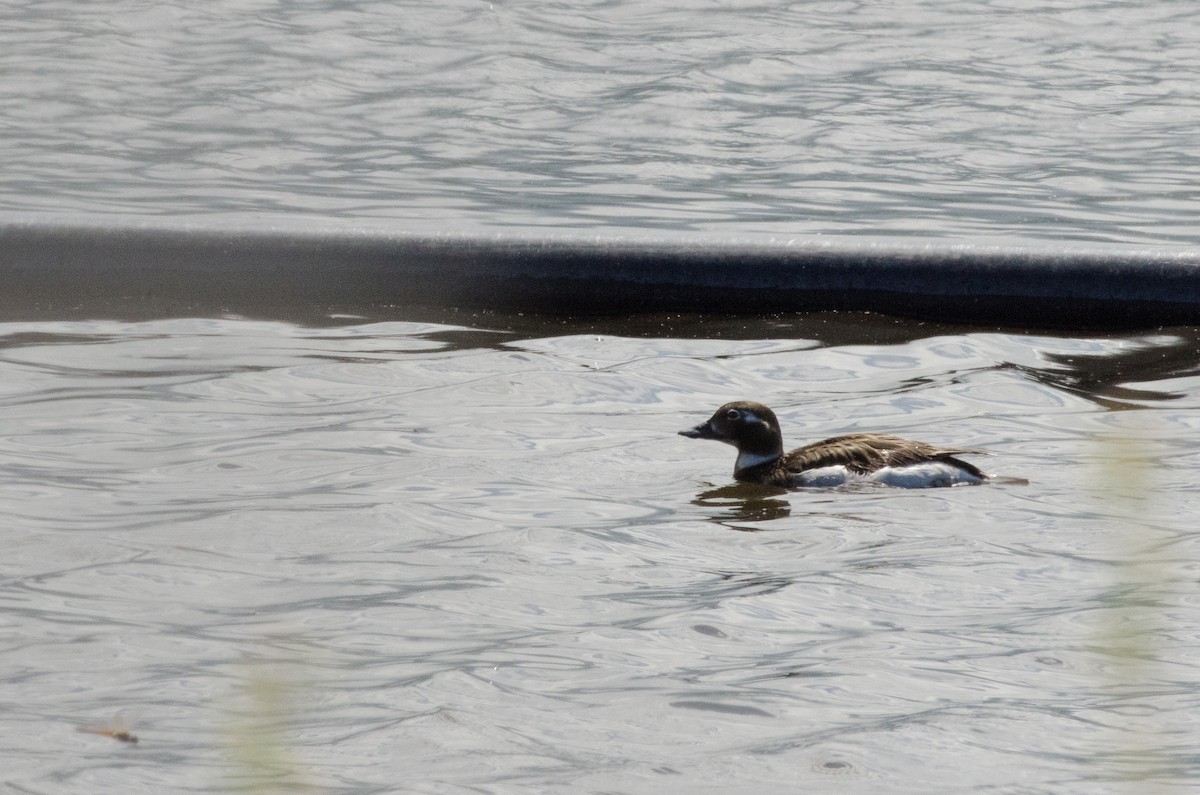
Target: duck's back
x=888, y=459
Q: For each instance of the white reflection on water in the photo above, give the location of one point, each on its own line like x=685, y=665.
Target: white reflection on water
x=495, y=562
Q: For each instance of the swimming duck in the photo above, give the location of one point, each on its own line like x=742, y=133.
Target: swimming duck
x=857, y=457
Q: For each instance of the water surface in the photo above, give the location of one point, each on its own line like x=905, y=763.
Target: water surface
x=1003, y=119
x=399, y=556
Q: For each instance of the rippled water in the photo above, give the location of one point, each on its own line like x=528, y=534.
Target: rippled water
x=384, y=556
x=1052, y=120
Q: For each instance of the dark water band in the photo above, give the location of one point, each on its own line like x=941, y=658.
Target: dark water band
x=54, y=267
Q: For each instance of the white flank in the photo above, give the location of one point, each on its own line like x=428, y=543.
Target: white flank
x=920, y=476
x=825, y=477
x=914, y=476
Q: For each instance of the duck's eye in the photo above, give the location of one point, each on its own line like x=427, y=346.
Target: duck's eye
x=732, y=414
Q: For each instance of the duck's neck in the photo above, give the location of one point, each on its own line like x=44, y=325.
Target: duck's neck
x=748, y=460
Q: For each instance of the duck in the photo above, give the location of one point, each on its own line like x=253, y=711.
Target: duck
x=837, y=461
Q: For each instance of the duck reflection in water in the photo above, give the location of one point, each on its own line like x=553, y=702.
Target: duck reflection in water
x=744, y=502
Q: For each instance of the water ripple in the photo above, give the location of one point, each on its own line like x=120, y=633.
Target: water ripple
x=443, y=544
x=965, y=120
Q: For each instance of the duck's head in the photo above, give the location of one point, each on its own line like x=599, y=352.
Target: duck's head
x=748, y=426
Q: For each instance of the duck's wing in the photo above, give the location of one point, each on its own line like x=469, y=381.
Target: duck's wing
x=867, y=452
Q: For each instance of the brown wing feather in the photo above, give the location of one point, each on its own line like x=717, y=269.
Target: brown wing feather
x=865, y=452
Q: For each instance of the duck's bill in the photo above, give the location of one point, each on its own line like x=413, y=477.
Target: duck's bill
x=701, y=431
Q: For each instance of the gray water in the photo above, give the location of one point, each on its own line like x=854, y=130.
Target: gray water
x=1061, y=120
x=401, y=557
x=471, y=555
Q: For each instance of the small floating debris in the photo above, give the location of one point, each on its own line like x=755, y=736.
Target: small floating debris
x=124, y=735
